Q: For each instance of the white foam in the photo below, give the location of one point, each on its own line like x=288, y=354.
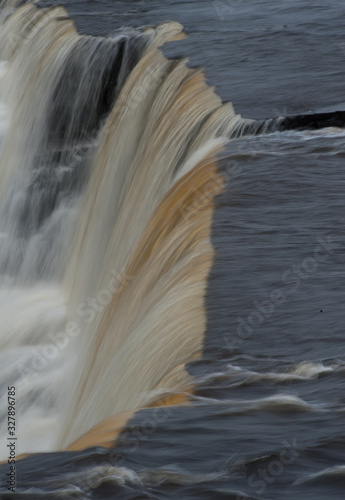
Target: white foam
x=277, y=402
x=338, y=470
x=237, y=376
x=33, y=360
x=310, y=370
x=28, y=315
x=325, y=132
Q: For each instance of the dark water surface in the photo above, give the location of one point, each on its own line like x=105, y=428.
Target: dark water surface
x=267, y=421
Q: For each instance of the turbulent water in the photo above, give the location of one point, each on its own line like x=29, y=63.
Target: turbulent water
x=126, y=285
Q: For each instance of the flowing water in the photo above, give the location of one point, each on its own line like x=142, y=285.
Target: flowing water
x=155, y=251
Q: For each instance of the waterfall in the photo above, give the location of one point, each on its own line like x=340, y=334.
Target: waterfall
x=108, y=175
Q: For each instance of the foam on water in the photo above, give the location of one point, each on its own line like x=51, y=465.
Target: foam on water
x=276, y=403
x=310, y=370
x=34, y=361
x=237, y=376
